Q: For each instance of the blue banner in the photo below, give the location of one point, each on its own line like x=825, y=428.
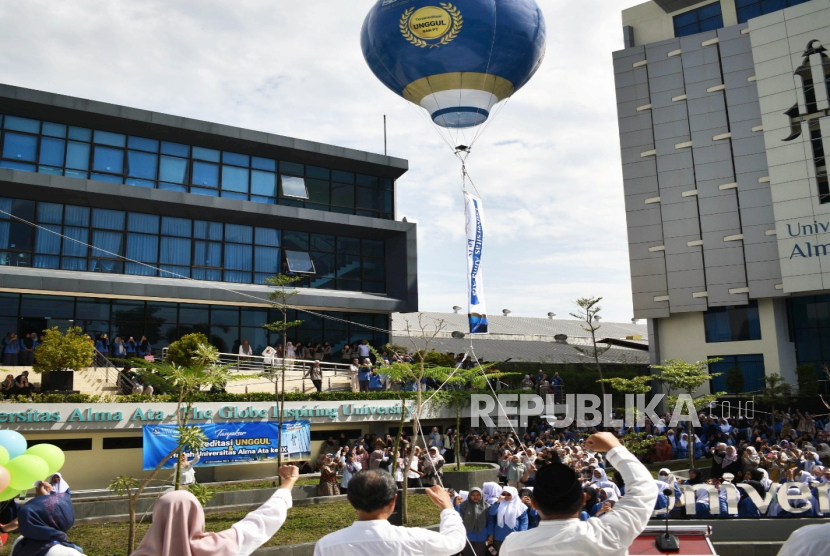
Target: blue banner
x=229, y=443
x=477, y=311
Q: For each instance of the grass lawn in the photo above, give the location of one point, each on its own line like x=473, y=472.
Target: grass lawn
x=304, y=524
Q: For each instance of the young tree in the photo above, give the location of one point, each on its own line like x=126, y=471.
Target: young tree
x=687, y=378
x=182, y=351
x=589, y=313
x=735, y=380
x=638, y=442
x=775, y=390
x=64, y=352
x=279, y=300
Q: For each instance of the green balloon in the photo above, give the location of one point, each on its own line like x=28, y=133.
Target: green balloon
x=4, y=456
x=25, y=470
x=8, y=494
x=51, y=454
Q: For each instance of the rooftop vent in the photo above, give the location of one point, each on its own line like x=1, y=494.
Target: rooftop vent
x=561, y=338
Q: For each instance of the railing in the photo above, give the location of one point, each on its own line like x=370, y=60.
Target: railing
x=296, y=370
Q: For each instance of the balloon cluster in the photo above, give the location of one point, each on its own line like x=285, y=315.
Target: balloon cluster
x=21, y=466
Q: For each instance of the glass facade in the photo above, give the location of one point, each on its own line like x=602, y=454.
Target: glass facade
x=53, y=148
x=752, y=367
x=810, y=330
x=173, y=247
x=733, y=323
x=705, y=18
x=747, y=9
x=163, y=323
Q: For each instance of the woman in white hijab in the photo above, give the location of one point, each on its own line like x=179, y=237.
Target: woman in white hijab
x=510, y=515
x=600, y=480
x=492, y=492
x=59, y=485
x=765, y=481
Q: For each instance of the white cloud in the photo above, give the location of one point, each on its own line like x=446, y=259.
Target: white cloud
x=548, y=168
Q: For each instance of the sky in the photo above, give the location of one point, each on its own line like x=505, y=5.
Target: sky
x=547, y=168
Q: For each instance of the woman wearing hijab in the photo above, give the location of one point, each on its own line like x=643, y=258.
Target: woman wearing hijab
x=433, y=467
x=731, y=462
x=43, y=523
x=600, y=480
x=491, y=492
x=746, y=507
x=178, y=527
x=683, y=446
x=507, y=515
x=751, y=460
x=474, y=515
x=59, y=485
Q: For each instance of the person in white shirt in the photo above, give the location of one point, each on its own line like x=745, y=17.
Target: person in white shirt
x=178, y=527
x=188, y=471
x=558, y=497
x=810, y=540
x=373, y=493
x=354, y=368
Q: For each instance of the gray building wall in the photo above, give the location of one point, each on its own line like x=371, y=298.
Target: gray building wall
x=693, y=154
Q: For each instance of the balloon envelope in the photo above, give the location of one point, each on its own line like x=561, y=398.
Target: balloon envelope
x=25, y=470
x=8, y=494
x=13, y=442
x=4, y=457
x=51, y=454
x=455, y=59
x=4, y=478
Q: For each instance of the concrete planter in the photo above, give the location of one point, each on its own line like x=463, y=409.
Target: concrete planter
x=465, y=480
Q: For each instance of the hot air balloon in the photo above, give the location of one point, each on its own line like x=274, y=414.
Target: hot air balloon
x=455, y=59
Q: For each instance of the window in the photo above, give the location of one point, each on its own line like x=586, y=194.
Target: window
x=705, y=18
x=732, y=324
x=293, y=186
x=66, y=444
x=123, y=443
x=751, y=366
x=299, y=262
x=747, y=9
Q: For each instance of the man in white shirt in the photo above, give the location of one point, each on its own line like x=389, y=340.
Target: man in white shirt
x=373, y=493
x=558, y=497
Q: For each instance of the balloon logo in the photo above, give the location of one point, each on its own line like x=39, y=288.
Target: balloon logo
x=25, y=470
x=51, y=454
x=13, y=442
x=455, y=60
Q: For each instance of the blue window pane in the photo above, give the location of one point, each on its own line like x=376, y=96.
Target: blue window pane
x=206, y=192
x=200, y=153
x=205, y=174
x=46, y=261
x=73, y=263
x=111, y=139
x=386, y=201
x=175, y=250
x=238, y=257
x=317, y=173
x=236, y=159
x=140, y=183
x=710, y=10
x=711, y=24
x=263, y=183
x=237, y=277
x=267, y=260
x=773, y=5
x=299, y=262
x=107, y=244
x=173, y=169
x=49, y=213
x=53, y=130
x=367, y=181
x=343, y=177
x=108, y=219
x=18, y=165
x=20, y=147
x=170, y=271
x=144, y=223
x=137, y=269
x=235, y=179
x=267, y=236
x=80, y=134
x=50, y=170
x=106, y=266
x=207, y=253
x=173, y=187
x=22, y=124
x=141, y=165
x=143, y=248
x=175, y=149
x=52, y=151
x=234, y=195
x=367, y=198
x=48, y=239
x=263, y=164
x=207, y=274
x=261, y=199
x=685, y=19
x=76, y=216
x=239, y=234
x=74, y=244
x=176, y=227
x=294, y=187
x=143, y=144
x=207, y=230
x=107, y=177
x=107, y=159
x=77, y=156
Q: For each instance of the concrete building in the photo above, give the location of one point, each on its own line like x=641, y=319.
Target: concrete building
x=723, y=109
x=133, y=223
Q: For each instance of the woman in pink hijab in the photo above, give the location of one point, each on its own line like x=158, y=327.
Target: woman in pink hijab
x=178, y=527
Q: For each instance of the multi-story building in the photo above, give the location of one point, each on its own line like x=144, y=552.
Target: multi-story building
x=131, y=223
x=723, y=109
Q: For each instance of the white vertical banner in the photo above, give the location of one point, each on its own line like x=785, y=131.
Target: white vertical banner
x=477, y=311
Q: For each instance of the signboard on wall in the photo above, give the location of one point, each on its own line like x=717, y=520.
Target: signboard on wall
x=232, y=443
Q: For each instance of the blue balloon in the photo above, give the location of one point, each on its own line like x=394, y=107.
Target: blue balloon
x=455, y=59
x=14, y=442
